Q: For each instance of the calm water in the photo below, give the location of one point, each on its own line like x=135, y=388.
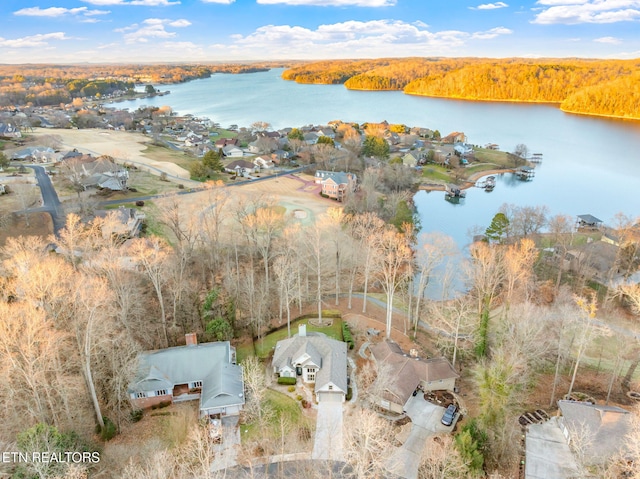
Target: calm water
x=590, y=165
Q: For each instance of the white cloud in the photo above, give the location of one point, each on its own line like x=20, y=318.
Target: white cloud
x=58, y=12
x=610, y=40
x=144, y=3
x=571, y=12
x=493, y=33
x=352, y=39
x=490, y=6
x=225, y=2
x=333, y=3
x=151, y=28
x=39, y=40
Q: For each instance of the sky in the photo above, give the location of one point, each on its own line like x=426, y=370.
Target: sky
x=100, y=31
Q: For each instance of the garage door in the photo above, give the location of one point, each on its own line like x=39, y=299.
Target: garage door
x=325, y=396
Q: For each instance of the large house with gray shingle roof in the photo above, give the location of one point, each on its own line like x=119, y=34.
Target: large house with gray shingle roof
x=336, y=184
x=316, y=359
x=207, y=372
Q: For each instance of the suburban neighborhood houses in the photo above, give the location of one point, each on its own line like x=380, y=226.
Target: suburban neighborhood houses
x=230, y=302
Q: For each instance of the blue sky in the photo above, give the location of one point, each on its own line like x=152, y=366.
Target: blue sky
x=63, y=31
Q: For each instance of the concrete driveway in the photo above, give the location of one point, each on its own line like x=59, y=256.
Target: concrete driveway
x=328, y=442
x=227, y=451
x=425, y=419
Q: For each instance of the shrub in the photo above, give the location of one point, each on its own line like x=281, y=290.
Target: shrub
x=109, y=430
x=305, y=403
x=349, y=394
x=287, y=381
x=299, y=398
x=136, y=415
x=139, y=203
x=346, y=335
x=180, y=186
x=291, y=389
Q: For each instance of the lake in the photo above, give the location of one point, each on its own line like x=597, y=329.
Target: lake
x=591, y=165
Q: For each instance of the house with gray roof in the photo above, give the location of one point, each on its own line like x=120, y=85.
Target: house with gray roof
x=336, y=184
x=207, y=372
x=315, y=359
x=603, y=427
x=599, y=431
x=8, y=130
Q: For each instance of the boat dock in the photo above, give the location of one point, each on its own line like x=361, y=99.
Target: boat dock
x=525, y=173
x=488, y=184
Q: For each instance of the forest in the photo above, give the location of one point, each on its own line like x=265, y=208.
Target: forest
x=42, y=85
x=233, y=266
x=592, y=87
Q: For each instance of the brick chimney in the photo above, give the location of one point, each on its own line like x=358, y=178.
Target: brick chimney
x=191, y=338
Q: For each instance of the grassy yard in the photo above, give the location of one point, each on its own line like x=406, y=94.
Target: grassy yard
x=263, y=347
x=277, y=405
x=162, y=153
x=435, y=172
x=500, y=158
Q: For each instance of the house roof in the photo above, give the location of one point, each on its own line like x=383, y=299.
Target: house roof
x=410, y=371
x=240, y=164
x=339, y=177
x=606, y=426
x=590, y=219
x=547, y=453
x=207, y=362
x=332, y=356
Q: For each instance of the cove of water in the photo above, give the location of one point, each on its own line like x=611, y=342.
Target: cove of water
x=591, y=165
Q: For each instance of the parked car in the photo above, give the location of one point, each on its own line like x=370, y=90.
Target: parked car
x=449, y=415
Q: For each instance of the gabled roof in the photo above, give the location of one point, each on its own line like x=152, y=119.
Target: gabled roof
x=207, y=362
x=605, y=426
x=339, y=177
x=332, y=353
x=590, y=219
x=240, y=164
x=410, y=371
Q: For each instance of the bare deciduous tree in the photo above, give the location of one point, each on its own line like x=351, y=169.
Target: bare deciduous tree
x=392, y=266
x=367, y=444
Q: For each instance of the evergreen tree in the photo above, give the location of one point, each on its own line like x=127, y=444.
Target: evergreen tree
x=497, y=230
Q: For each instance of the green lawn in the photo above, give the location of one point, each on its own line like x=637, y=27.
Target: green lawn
x=435, y=172
x=496, y=157
x=263, y=347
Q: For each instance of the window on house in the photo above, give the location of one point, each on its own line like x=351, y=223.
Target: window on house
x=311, y=377
x=161, y=392
x=141, y=395
x=330, y=387
x=197, y=384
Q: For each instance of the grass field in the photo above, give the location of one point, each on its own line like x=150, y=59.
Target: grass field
x=263, y=347
x=163, y=153
x=435, y=172
x=495, y=157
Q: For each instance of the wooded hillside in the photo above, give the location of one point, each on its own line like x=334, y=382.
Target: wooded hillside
x=596, y=87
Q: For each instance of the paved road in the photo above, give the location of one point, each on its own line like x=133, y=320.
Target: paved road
x=328, y=442
x=50, y=202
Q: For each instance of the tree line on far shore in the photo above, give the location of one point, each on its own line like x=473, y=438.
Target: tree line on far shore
x=595, y=87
